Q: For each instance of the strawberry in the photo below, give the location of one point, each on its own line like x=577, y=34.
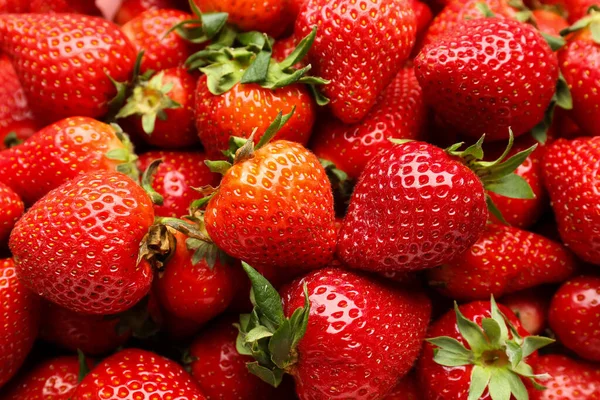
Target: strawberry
x=283, y=48
x=573, y=319
x=14, y=6
x=64, y=6
x=360, y=47
x=330, y=332
x=570, y=171
x=11, y=209
x=503, y=260
x=137, y=374
x=492, y=103
x=570, y=379
x=406, y=389
x=531, y=307
x=82, y=254
x=20, y=321
x=465, y=360
x=423, y=16
x=577, y=9
x=548, y=21
x=60, y=152
x=130, y=9
x=73, y=74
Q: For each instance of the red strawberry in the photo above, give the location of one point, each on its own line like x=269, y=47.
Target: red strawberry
x=59, y=153
x=340, y=334
x=130, y=9
x=137, y=374
x=531, y=307
x=577, y=9
x=11, y=209
x=463, y=360
x=20, y=321
x=486, y=97
x=503, y=260
x=285, y=47
x=64, y=6
x=569, y=379
x=406, y=389
x=573, y=316
x=78, y=245
x=571, y=168
x=360, y=47
x=423, y=16
x=14, y=6
x=549, y=21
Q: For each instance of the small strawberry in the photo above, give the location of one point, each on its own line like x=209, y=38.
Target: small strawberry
x=73, y=73
x=573, y=316
x=570, y=379
x=406, y=389
x=129, y=9
x=20, y=321
x=531, y=307
x=11, y=209
x=549, y=21
x=78, y=245
x=479, y=351
x=503, y=260
x=360, y=47
x=64, y=6
x=137, y=374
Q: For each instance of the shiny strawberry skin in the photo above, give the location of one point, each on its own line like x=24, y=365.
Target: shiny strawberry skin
x=139, y=374
x=78, y=245
x=577, y=9
x=11, y=209
x=248, y=106
x=570, y=379
x=275, y=209
x=353, y=317
x=130, y=9
x=488, y=96
x=399, y=113
x=503, y=260
x=406, y=389
x=175, y=178
x=20, y=321
x=531, y=307
x=571, y=168
x=65, y=6
x=414, y=207
x=56, y=154
x=573, y=317
x=69, y=75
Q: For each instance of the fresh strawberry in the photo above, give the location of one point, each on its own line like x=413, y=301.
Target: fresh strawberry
x=20, y=321
x=573, y=316
x=283, y=48
x=14, y=6
x=330, y=332
x=577, y=9
x=462, y=359
x=423, y=16
x=570, y=379
x=137, y=374
x=531, y=307
x=571, y=168
x=130, y=9
x=484, y=98
x=360, y=47
x=549, y=21
x=64, y=6
x=78, y=245
x=11, y=209
x=406, y=389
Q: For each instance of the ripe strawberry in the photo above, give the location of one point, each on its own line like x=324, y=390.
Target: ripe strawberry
x=485, y=98
x=463, y=360
x=570, y=171
x=503, y=260
x=64, y=6
x=330, y=332
x=573, y=319
x=569, y=379
x=11, y=209
x=130, y=9
x=134, y=373
x=577, y=9
x=360, y=47
x=78, y=245
x=531, y=307
x=549, y=21
x=423, y=16
x=406, y=389
x=20, y=321
x=14, y=6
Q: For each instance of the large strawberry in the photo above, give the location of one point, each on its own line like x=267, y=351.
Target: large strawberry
x=11, y=209
x=340, y=334
x=531, y=307
x=72, y=73
x=503, y=260
x=78, y=246
x=570, y=379
x=360, y=47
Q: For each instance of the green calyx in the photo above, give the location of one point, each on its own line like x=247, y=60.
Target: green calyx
x=147, y=180
x=125, y=155
x=205, y=27
x=591, y=21
x=12, y=140
x=497, y=353
x=561, y=98
x=83, y=366
x=266, y=334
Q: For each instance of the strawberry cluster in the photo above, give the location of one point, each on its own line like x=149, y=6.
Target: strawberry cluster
x=313, y=199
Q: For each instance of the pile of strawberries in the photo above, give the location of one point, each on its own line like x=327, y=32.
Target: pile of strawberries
x=313, y=199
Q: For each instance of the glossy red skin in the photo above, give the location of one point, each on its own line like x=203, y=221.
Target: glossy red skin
x=132, y=8
x=414, y=207
x=247, y=107
x=54, y=379
x=57, y=154
x=549, y=22
x=400, y=113
x=570, y=171
x=20, y=314
x=11, y=209
x=275, y=209
x=406, y=389
x=577, y=9
x=357, y=73
x=220, y=370
x=134, y=373
x=363, y=334
x=438, y=382
x=531, y=307
x=59, y=84
x=78, y=245
x=14, y=6
x=570, y=379
x=495, y=99
x=423, y=16
x=580, y=64
x=573, y=319
x=92, y=334
x=504, y=260
x=175, y=178
x=65, y=6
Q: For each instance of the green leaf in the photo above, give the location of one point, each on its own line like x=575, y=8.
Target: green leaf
x=257, y=72
x=471, y=332
x=485, y=10
x=499, y=318
x=83, y=366
x=595, y=31
x=255, y=40
x=260, y=332
x=512, y=186
x=219, y=167
x=241, y=346
x=281, y=345
x=118, y=154
x=319, y=97
x=221, y=77
x=300, y=51
x=534, y=343
x=267, y=299
x=514, y=353
x=498, y=386
x=272, y=377
x=275, y=126
x=492, y=331
x=147, y=181
x=555, y=42
x=562, y=95
x=148, y=123
x=516, y=385
x=12, y=140
x=493, y=209
x=212, y=23
x=510, y=165
x=299, y=320
x=448, y=359
x=450, y=345
x=480, y=377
